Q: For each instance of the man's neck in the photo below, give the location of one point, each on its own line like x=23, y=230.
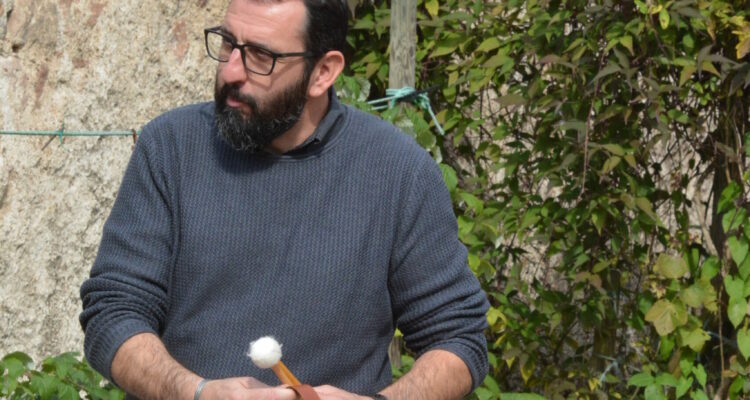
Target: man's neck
x=314, y=111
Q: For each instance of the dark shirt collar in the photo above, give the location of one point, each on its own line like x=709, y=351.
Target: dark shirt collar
x=322, y=132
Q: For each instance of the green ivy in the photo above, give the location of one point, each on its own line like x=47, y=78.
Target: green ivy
x=63, y=377
x=576, y=133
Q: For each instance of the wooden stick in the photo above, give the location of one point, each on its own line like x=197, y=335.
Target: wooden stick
x=285, y=376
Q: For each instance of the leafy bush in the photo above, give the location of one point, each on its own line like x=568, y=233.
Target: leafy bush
x=596, y=154
x=63, y=377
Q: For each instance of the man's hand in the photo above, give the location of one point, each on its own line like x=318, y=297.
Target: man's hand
x=245, y=388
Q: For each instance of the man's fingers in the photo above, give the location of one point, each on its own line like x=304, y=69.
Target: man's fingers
x=252, y=383
x=285, y=393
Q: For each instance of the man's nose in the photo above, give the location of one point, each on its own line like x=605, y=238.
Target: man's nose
x=234, y=70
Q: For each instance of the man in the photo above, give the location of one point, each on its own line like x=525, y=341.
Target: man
x=278, y=211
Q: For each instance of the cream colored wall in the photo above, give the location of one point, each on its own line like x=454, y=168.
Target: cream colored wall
x=92, y=65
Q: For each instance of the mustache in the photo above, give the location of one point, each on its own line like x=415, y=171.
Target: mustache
x=234, y=91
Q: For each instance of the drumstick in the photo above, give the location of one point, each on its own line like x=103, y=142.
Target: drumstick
x=266, y=353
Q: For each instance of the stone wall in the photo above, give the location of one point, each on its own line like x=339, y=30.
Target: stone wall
x=90, y=65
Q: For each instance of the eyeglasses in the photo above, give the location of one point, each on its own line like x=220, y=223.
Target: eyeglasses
x=256, y=59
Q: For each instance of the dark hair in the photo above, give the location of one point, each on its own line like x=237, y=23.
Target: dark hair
x=327, y=24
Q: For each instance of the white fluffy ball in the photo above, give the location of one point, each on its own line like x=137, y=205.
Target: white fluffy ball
x=265, y=352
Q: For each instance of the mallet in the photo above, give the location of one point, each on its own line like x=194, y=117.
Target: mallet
x=266, y=353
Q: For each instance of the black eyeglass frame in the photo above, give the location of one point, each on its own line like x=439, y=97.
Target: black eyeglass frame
x=241, y=47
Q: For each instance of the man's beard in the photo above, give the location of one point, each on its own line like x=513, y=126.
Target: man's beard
x=266, y=121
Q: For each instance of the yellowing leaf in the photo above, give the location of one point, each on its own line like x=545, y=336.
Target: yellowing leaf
x=696, y=339
x=527, y=369
x=627, y=42
x=664, y=18
x=700, y=294
x=670, y=267
x=432, y=7
x=666, y=316
x=743, y=47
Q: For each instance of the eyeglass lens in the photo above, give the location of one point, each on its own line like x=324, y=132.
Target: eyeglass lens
x=256, y=59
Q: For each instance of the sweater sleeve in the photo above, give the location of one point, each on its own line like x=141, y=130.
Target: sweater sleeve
x=126, y=291
x=437, y=300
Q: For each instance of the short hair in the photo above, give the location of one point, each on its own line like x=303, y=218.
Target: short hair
x=327, y=25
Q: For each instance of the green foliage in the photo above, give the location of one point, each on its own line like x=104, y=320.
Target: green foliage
x=596, y=156
x=63, y=377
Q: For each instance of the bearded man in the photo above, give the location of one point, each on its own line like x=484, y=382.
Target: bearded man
x=276, y=210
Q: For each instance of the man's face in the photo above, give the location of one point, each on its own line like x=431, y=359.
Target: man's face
x=252, y=110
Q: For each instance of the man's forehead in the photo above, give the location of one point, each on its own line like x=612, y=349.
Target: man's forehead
x=291, y=15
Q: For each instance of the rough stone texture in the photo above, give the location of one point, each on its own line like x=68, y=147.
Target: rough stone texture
x=90, y=65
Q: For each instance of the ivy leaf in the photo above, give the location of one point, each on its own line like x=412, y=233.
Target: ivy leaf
x=670, y=267
x=699, y=294
x=728, y=196
x=738, y=249
x=696, y=339
x=744, y=268
x=432, y=7
x=653, y=392
x=737, y=310
x=733, y=219
x=683, y=385
x=641, y=379
x=700, y=374
x=743, y=342
x=736, y=387
x=449, y=176
x=666, y=316
x=472, y=202
x=710, y=268
x=735, y=287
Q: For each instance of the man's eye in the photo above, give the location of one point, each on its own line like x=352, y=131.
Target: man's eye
x=258, y=54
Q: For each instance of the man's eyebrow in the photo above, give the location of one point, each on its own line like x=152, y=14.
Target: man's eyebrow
x=226, y=31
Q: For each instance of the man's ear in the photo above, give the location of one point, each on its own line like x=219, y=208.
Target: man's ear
x=325, y=72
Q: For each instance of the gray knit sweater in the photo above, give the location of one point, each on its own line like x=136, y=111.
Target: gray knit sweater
x=328, y=250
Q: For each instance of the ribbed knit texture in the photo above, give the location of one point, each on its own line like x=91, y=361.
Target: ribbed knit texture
x=327, y=251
